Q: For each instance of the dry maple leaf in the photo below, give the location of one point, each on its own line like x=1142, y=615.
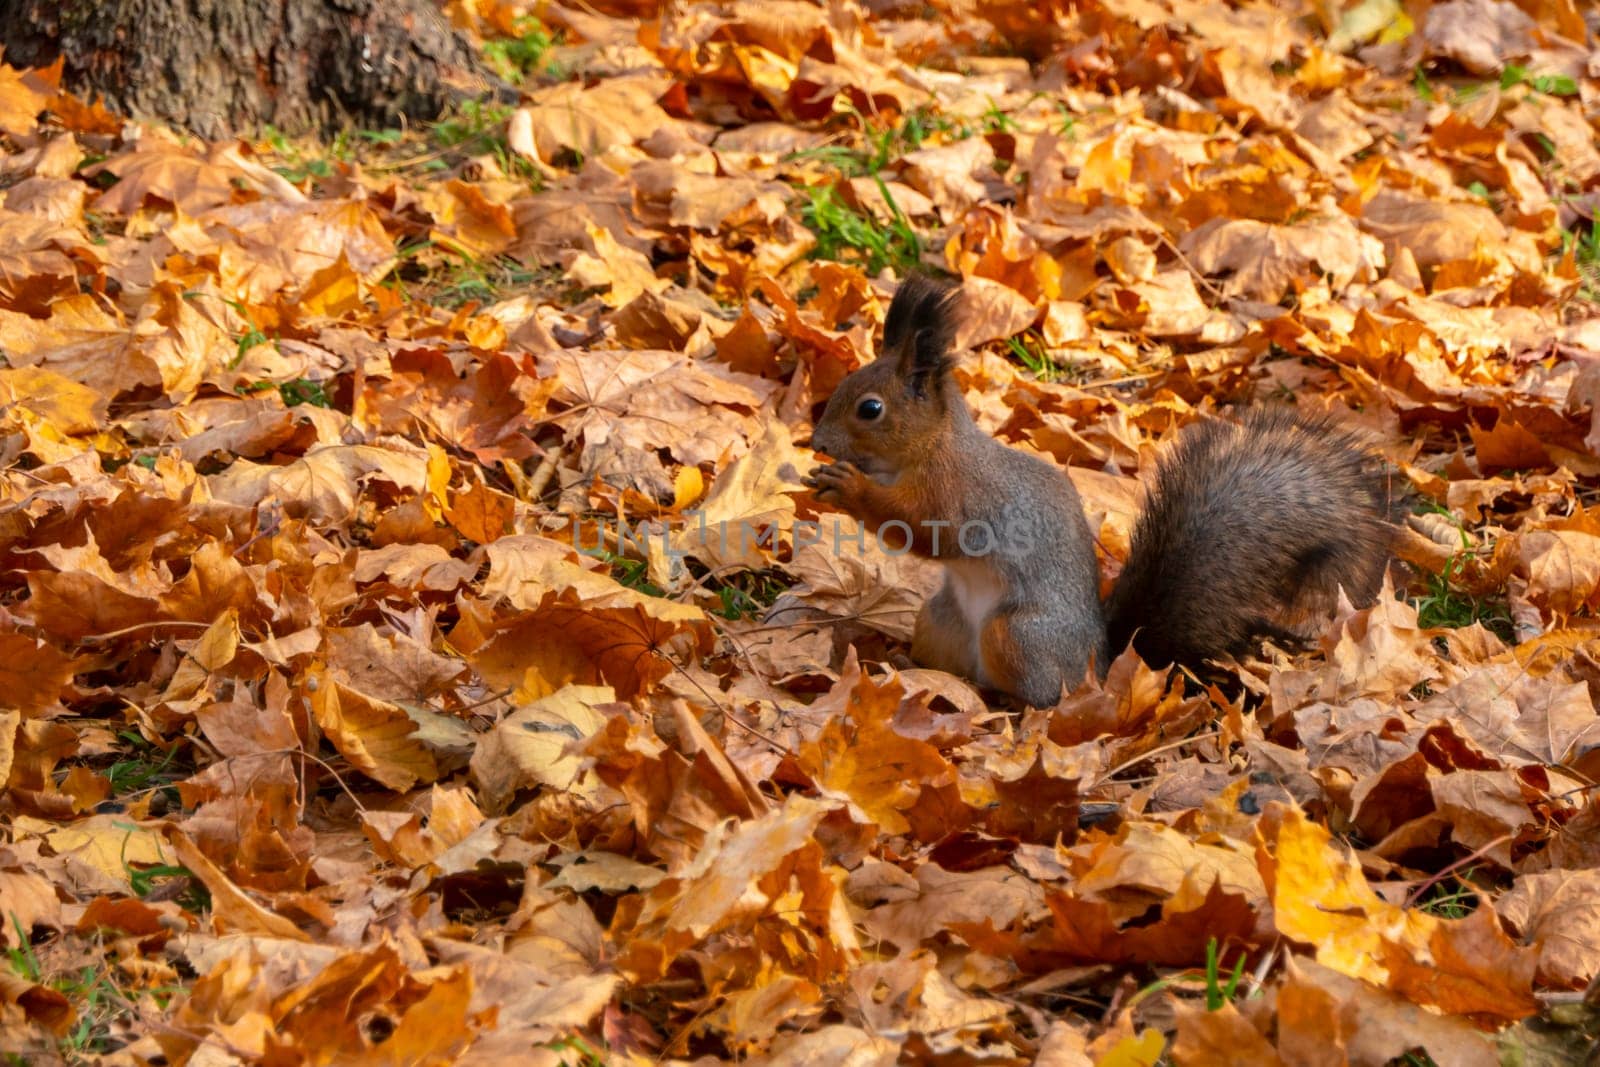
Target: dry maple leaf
x=908, y=911
x=1262, y=261
x=1320, y=897
x=1556, y=910
x=39, y=1006
x=575, y=625
x=326, y=483
x=874, y=588
x=188, y=179
x=750, y=504
x=317, y=686
x=32, y=673
x=1207, y=1038
x=373, y=734
x=1320, y=1009
x=738, y=881
x=25, y=95
x=588, y=121
x=538, y=745
x=860, y=757
x=30, y=902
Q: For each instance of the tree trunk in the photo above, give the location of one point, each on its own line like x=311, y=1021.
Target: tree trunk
x=223, y=66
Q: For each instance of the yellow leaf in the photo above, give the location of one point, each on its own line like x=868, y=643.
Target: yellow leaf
x=67, y=406
x=687, y=487
x=331, y=292
x=214, y=650
x=107, y=843
x=1142, y=1051
x=861, y=757
x=20, y=101
x=439, y=471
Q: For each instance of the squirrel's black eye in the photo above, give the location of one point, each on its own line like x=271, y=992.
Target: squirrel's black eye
x=869, y=408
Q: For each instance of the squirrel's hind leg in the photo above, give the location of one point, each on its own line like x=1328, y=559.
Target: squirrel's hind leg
x=1024, y=654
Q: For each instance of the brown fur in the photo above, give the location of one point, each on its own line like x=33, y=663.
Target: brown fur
x=911, y=376
x=923, y=460
x=1250, y=530
x=1005, y=660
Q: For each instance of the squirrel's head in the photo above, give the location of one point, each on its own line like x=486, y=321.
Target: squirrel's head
x=883, y=415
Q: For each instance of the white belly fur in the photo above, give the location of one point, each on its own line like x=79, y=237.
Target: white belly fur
x=977, y=591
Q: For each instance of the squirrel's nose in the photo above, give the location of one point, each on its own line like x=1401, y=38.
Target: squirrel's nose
x=822, y=440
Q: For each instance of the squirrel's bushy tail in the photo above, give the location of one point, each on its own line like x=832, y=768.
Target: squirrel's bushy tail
x=1250, y=530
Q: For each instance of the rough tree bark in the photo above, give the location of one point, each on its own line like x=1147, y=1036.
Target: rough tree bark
x=223, y=66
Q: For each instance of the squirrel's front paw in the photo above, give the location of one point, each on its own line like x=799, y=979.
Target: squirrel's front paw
x=836, y=483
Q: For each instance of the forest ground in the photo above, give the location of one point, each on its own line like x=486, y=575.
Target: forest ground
x=339, y=725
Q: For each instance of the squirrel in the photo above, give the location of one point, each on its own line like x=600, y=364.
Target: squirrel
x=1248, y=529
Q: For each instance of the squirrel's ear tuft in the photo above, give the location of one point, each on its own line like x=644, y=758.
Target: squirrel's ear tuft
x=920, y=329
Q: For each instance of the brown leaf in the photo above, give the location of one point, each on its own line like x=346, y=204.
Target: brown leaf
x=1482, y=35
x=30, y=901
x=540, y=744
x=731, y=885
x=750, y=1018
x=950, y=174
x=32, y=673
x=915, y=910
x=40, y=1004
x=991, y=311
x=481, y=514
x=326, y=484
x=466, y=220
x=187, y=178
x=571, y=118
x=1561, y=567
x=1434, y=233
x=529, y=997
x=1223, y=1036
x=1263, y=261
x=1320, y=897
x=751, y=502
x=393, y=666
x=860, y=757
x=9, y=721
x=231, y=908
x=1320, y=1010
x=131, y=915
x=1559, y=912
x=485, y=411
x=39, y=260
x=938, y=1006
x=619, y=638
x=373, y=734
x=1468, y=967
x=834, y=1044
x=848, y=575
